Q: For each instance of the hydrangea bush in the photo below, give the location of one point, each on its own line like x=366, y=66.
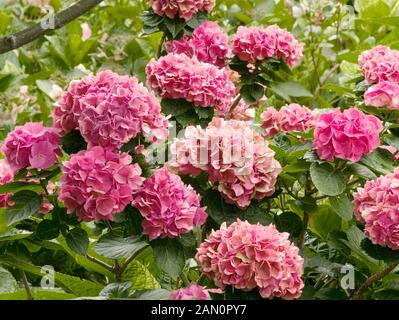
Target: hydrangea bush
x=200, y=149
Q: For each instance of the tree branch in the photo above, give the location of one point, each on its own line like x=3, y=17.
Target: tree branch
x=358, y=295
x=62, y=18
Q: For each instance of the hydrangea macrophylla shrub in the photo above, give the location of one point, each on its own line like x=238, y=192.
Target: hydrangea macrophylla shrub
x=348, y=135
x=169, y=207
x=31, y=146
x=6, y=176
x=248, y=256
x=380, y=64
x=289, y=118
x=237, y=158
x=192, y=292
x=177, y=76
x=184, y=9
x=208, y=43
x=109, y=110
x=383, y=94
x=98, y=183
x=376, y=205
x=253, y=44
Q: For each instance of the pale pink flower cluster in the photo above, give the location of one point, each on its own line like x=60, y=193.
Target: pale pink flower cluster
x=192, y=292
x=248, y=256
x=177, y=76
x=98, y=183
x=380, y=64
x=383, y=94
x=236, y=158
x=243, y=112
x=252, y=44
x=208, y=43
x=31, y=146
x=346, y=135
x=289, y=118
x=168, y=206
x=6, y=176
x=109, y=110
x=184, y=9
x=376, y=205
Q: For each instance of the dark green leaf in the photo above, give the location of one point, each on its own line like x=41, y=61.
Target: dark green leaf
x=252, y=93
x=289, y=222
x=342, y=206
x=378, y=252
x=169, y=256
x=78, y=240
x=114, y=247
x=27, y=203
x=174, y=26
x=47, y=230
x=73, y=142
x=327, y=180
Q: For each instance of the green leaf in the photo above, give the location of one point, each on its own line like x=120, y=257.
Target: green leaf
x=14, y=234
x=151, y=19
x=327, y=180
x=205, y=113
x=78, y=240
x=47, y=230
x=252, y=93
x=14, y=187
x=174, y=26
x=175, y=107
x=139, y=276
x=324, y=221
x=157, y=294
x=380, y=161
x=7, y=281
x=27, y=203
x=221, y=212
x=290, y=89
x=197, y=19
x=115, y=247
x=362, y=171
x=342, y=206
x=289, y=222
x=38, y=294
x=116, y=290
x=73, y=142
x=169, y=256
x=380, y=253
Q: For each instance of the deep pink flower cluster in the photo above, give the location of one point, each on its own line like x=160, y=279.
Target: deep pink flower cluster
x=289, y=118
x=380, y=64
x=192, y=292
x=177, y=76
x=184, y=9
x=208, y=43
x=236, y=157
x=169, y=207
x=383, y=94
x=6, y=176
x=31, y=146
x=110, y=110
x=252, y=44
x=347, y=135
x=248, y=256
x=376, y=205
x=98, y=183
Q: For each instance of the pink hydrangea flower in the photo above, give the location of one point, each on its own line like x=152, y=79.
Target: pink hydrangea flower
x=376, y=205
x=31, y=146
x=248, y=256
x=169, y=207
x=86, y=31
x=346, y=135
x=208, y=43
x=110, y=110
x=236, y=157
x=383, y=94
x=177, y=76
x=289, y=118
x=6, y=176
x=184, y=9
x=193, y=292
x=98, y=183
x=252, y=44
x=243, y=112
x=380, y=64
